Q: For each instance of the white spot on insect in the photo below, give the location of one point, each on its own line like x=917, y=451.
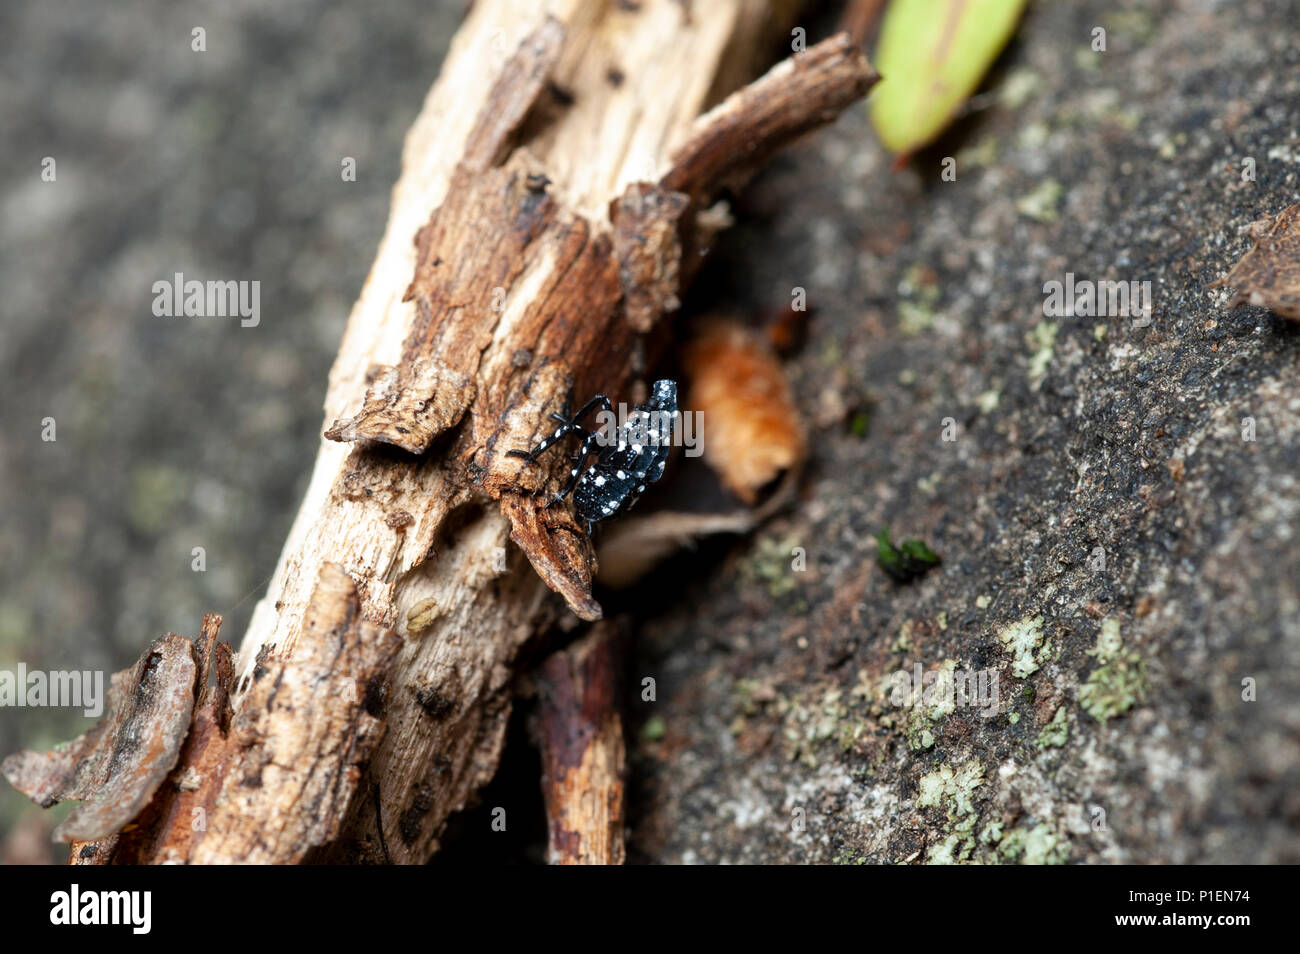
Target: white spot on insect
x=641, y=489
x=600, y=481
x=636, y=448
x=573, y=472
x=621, y=476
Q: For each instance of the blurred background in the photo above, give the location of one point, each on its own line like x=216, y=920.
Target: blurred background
x=173, y=434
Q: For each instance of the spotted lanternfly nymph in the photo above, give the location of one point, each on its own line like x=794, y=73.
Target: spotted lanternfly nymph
x=627, y=460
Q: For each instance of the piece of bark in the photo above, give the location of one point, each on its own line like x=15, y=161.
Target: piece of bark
x=496, y=224
x=554, y=530
x=115, y=768
x=1269, y=274
x=514, y=184
x=275, y=781
x=649, y=249
x=584, y=760
x=737, y=137
x=165, y=830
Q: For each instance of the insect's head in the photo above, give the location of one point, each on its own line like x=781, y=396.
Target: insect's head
x=663, y=396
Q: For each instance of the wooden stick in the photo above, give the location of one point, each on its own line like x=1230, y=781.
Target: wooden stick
x=580, y=731
x=859, y=19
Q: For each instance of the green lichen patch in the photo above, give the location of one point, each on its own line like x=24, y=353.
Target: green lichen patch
x=772, y=564
x=919, y=294
x=807, y=724
x=1055, y=732
x=951, y=789
x=1109, y=641
x=1039, y=845
x=1120, y=682
x=953, y=792
x=1021, y=639
x=1043, y=340
x=937, y=701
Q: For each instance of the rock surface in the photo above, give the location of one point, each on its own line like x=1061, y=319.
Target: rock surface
x=1117, y=513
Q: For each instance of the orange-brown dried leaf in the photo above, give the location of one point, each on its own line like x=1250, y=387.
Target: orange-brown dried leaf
x=751, y=428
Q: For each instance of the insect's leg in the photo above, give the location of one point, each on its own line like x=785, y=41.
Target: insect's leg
x=599, y=401
x=576, y=473
x=602, y=402
x=564, y=417
x=560, y=433
x=567, y=426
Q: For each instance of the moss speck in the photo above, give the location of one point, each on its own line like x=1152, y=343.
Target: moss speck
x=1043, y=340
x=1041, y=204
x=772, y=564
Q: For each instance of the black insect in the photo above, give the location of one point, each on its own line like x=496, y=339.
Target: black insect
x=627, y=460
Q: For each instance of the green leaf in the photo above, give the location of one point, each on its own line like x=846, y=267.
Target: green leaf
x=887, y=555
x=932, y=55
x=917, y=550
x=905, y=562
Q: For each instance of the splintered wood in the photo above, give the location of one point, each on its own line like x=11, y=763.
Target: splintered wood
x=545, y=220
x=265, y=785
